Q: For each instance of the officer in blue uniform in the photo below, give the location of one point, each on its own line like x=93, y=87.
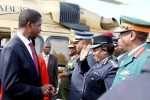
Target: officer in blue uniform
x=133, y=36
x=100, y=77
x=84, y=62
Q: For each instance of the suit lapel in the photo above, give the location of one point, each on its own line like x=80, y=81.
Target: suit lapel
x=25, y=50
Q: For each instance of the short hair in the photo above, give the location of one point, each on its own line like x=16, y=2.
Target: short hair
x=28, y=15
x=142, y=36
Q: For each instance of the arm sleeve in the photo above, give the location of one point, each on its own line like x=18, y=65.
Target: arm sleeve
x=55, y=72
x=109, y=76
x=84, y=67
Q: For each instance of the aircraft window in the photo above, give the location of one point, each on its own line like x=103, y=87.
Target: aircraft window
x=59, y=48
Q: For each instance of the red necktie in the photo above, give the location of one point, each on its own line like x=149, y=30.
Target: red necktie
x=35, y=59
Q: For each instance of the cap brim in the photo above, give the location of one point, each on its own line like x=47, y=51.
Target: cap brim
x=75, y=40
x=71, y=46
x=119, y=30
x=95, y=46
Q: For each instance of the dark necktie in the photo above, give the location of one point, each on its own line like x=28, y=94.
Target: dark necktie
x=35, y=59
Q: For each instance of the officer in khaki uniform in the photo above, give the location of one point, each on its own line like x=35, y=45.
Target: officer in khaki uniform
x=66, y=75
x=133, y=35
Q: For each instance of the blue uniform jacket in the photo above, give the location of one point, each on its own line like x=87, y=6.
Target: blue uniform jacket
x=81, y=67
x=99, y=79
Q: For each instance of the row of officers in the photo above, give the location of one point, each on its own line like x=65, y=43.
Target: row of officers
x=101, y=64
x=93, y=68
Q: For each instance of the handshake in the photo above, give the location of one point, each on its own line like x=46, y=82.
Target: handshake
x=48, y=90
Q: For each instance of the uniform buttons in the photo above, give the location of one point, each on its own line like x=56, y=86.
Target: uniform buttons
x=92, y=78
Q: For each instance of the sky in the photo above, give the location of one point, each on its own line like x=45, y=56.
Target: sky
x=134, y=8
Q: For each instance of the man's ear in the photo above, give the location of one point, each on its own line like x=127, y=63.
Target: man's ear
x=104, y=52
x=133, y=35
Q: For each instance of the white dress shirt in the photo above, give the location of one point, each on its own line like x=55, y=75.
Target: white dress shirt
x=25, y=41
x=45, y=58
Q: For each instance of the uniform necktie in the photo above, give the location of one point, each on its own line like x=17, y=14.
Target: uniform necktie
x=35, y=59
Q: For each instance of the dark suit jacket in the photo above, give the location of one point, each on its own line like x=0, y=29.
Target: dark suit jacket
x=53, y=69
x=20, y=79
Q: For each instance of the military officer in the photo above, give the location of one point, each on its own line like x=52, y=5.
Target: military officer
x=84, y=62
x=73, y=56
x=100, y=77
x=66, y=75
x=133, y=35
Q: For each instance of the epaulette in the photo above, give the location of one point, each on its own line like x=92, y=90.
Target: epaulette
x=139, y=52
x=105, y=61
x=114, y=63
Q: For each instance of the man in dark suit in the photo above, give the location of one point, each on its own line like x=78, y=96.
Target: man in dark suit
x=48, y=62
x=53, y=71
x=53, y=68
x=19, y=67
